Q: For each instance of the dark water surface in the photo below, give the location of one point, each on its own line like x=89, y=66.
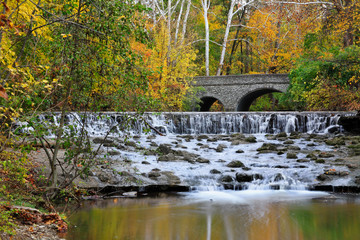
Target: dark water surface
x=248, y=215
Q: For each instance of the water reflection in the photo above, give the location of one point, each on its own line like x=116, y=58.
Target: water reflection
x=185, y=218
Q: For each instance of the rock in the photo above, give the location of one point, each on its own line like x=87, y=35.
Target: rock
x=326, y=155
x=164, y=149
x=289, y=142
x=154, y=174
x=311, y=156
x=243, y=177
x=293, y=147
x=281, y=135
x=335, y=141
x=227, y=178
x=291, y=155
x=220, y=148
x=235, y=142
x=167, y=158
x=267, y=147
x=214, y=171
x=333, y=129
x=302, y=160
x=259, y=165
x=235, y=164
x=322, y=177
x=319, y=161
x=351, y=124
x=239, y=151
x=246, y=168
x=251, y=139
x=281, y=166
x=102, y=140
x=145, y=162
x=201, y=137
x=278, y=177
x=170, y=178
x=202, y=160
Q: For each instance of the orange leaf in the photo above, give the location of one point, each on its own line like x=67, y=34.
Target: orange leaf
x=3, y=93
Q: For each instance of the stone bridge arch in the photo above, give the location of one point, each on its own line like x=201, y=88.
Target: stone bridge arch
x=237, y=92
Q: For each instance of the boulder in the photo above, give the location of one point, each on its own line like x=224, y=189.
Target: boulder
x=235, y=164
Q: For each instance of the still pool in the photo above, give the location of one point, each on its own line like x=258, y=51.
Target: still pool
x=248, y=215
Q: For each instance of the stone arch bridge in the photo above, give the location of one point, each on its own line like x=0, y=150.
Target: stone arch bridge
x=237, y=92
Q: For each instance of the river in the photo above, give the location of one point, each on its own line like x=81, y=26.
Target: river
x=282, y=156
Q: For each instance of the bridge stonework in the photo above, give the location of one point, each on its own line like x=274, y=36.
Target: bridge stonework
x=237, y=92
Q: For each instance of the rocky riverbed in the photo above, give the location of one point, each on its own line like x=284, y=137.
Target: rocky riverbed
x=235, y=161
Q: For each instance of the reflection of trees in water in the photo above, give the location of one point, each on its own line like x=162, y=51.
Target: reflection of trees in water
x=173, y=218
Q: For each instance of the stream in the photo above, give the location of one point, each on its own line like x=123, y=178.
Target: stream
x=248, y=176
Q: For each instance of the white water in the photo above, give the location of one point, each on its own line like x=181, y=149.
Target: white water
x=277, y=171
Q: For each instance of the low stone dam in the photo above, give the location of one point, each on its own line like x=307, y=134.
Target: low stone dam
x=230, y=150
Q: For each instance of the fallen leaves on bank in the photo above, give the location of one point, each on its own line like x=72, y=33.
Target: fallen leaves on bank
x=36, y=222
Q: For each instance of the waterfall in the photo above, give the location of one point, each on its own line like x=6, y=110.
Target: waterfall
x=98, y=124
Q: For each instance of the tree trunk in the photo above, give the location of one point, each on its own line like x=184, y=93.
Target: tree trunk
x=206, y=6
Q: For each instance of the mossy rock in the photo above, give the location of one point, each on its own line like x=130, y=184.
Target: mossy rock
x=291, y=155
x=251, y=139
x=319, y=161
x=335, y=141
x=235, y=164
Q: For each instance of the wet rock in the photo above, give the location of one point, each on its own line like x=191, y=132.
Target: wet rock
x=280, y=153
x=302, y=160
x=170, y=178
x=326, y=155
x=333, y=129
x=243, y=177
x=239, y=151
x=259, y=165
x=226, y=178
x=149, y=152
x=220, y=148
x=246, y=168
x=291, y=155
x=311, y=145
x=214, y=171
x=251, y=139
x=164, y=149
x=319, y=161
x=351, y=166
x=294, y=135
x=235, y=164
x=322, y=177
x=335, y=141
x=311, y=156
x=289, y=142
x=238, y=136
x=281, y=166
x=293, y=147
x=154, y=174
x=278, y=177
x=267, y=147
x=167, y=158
x=202, y=160
x=351, y=123
x=235, y=142
x=357, y=180
x=300, y=166
x=281, y=135
x=355, y=149
x=202, y=137
x=145, y=163
x=102, y=140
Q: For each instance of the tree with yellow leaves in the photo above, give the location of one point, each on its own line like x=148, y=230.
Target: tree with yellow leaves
x=173, y=70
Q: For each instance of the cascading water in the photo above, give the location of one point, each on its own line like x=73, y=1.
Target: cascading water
x=202, y=147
